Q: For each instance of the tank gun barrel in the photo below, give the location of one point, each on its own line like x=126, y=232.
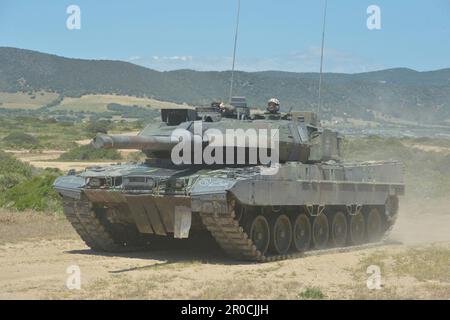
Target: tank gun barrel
x=160, y=143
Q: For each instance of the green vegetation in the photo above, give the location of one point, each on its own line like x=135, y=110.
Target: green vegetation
x=12, y=171
x=88, y=153
x=312, y=294
x=417, y=96
x=133, y=111
x=101, y=103
x=98, y=127
x=31, y=100
x=49, y=133
x=20, y=140
x=55, y=102
x=36, y=194
x=23, y=187
x=29, y=132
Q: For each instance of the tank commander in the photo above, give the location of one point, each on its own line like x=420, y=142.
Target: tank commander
x=227, y=109
x=218, y=105
x=273, y=106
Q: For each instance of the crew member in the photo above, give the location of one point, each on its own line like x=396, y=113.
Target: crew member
x=273, y=106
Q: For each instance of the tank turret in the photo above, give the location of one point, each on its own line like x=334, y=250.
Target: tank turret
x=299, y=137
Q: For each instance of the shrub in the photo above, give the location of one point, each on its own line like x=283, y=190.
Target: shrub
x=9, y=180
x=88, y=153
x=312, y=294
x=20, y=140
x=9, y=164
x=36, y=193
x=55, y=102
x=12, y=171
x=98, y=127
x=23, y=187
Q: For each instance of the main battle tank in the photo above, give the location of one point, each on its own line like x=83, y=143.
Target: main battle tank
x=309, y=199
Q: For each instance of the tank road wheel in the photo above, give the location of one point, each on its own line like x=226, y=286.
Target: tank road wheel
x=260, y=233
x=301, y=233
x=357, y=229
x=374, y=226
x=281, y=231
x=339, y=229
x=321, y=231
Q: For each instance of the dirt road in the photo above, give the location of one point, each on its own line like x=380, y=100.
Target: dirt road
x=36, y=250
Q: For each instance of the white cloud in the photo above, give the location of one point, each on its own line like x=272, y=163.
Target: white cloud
x=133, y=58
x=174, y=58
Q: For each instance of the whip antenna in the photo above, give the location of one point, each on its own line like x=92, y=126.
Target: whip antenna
x=321, y=58
x=234, y=50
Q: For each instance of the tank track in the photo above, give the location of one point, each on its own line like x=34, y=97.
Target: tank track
x=233, y=239
x=225, y=228
x=97, y=233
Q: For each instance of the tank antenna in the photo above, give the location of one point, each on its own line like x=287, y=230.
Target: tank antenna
x=234, y=50
x=319, y=106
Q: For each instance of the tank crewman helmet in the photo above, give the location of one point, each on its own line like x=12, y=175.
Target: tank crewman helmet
x=216, y=105
x=273, y=105
x=227, y=108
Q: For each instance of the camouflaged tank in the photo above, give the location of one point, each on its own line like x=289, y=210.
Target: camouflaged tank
x=312, y=201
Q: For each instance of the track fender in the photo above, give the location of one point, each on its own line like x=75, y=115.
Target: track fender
x=70, y=186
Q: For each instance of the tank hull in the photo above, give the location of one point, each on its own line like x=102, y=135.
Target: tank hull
x=253, y=213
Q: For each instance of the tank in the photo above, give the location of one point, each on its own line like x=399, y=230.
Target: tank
x=309, y=199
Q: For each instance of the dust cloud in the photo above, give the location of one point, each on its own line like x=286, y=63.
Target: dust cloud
x=422, y=221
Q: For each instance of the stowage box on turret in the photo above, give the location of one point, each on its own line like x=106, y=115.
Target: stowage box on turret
x=308, y=199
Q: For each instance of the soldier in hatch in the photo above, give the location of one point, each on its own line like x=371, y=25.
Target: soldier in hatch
x=273, y=106
x=227, y=109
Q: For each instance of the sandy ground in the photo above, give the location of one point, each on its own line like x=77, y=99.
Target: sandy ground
x=47, y=159
x=427, y=148
x=37, y=249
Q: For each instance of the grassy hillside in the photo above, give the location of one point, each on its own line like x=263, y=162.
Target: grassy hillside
x=100, y=102
x=25, y=132
x=399, y=93
x=29, y=100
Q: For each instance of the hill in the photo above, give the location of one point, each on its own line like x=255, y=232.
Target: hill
x=399, y=93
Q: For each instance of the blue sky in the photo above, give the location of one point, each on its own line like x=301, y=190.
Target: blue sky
x=198, y=34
